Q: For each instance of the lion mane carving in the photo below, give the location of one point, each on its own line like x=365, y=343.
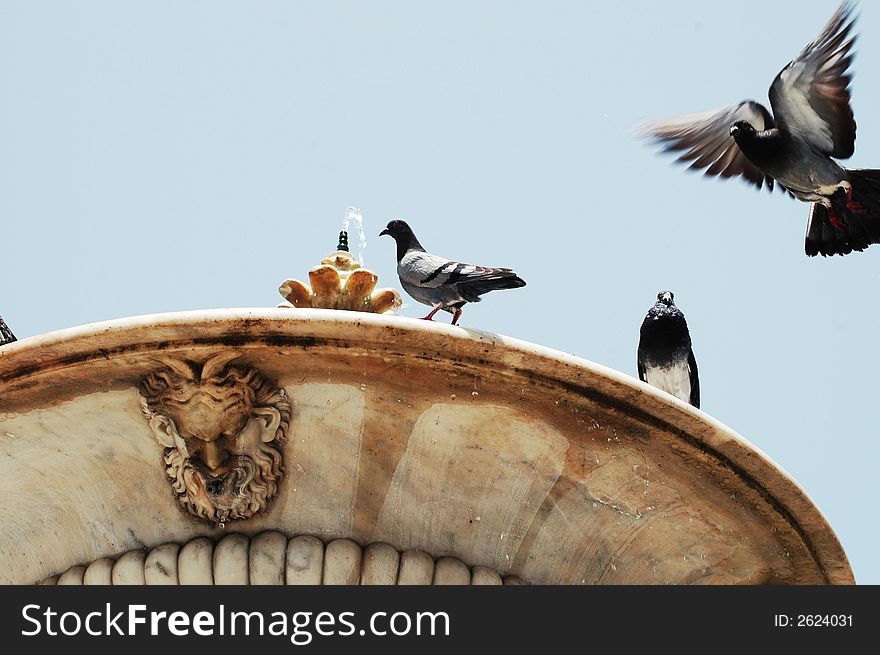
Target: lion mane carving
x=223, y=427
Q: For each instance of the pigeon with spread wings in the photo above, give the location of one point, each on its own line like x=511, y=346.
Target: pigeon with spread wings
x=812, y=122
x=443, y=283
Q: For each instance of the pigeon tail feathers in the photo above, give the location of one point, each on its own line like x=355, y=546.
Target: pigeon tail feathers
x=853, y=220
x=493, y=279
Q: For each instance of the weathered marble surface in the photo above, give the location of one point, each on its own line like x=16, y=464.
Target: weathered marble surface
x=427, y=437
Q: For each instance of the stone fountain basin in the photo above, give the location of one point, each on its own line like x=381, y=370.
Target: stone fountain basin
x=459, y=443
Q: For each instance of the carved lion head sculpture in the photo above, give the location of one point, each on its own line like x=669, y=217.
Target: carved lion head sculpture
x=223, y=428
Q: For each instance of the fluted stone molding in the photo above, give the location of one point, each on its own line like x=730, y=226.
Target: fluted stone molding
x=271, y=558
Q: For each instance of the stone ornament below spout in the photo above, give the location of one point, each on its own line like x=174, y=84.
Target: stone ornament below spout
x=223, y=428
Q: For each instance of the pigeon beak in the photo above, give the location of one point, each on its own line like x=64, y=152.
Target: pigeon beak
x=384, y=232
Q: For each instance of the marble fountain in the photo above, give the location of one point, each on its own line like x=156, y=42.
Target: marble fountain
x=328, y=441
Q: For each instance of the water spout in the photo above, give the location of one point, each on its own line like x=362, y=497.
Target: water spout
x=353, y=216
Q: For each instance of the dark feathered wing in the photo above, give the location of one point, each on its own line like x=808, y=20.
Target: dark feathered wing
x=704, y=140
x=810, y=97
x=643, y=376
x=6, y=335
x=695, y=379
x=474, y=281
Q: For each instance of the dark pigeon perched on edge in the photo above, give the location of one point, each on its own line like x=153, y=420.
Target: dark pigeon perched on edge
x=6, y=335
x=812, y=122
x=442, y=283
x=665, y=357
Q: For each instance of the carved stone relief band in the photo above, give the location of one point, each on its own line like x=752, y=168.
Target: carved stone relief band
x=273, y=558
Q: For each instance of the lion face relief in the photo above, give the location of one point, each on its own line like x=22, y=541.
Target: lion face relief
x=223, y=428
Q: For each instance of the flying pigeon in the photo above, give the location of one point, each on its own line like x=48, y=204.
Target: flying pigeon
x=6, y=335
x=665, y=358
x=443, y=283
x=812, y=122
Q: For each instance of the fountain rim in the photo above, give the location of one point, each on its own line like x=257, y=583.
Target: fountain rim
x=240, y=327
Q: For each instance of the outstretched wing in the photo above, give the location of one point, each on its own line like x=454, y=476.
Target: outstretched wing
x=705, y=141
x=810, y=97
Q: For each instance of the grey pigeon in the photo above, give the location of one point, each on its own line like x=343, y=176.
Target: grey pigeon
x=666, y=359
x=812, y=122
x=442, y=283
x=6, y=335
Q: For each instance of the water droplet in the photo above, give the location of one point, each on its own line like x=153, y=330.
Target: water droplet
x=452, y=396
x=363, y=387
x=475, y=393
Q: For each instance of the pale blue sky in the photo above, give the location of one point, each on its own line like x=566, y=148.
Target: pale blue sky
x=171, y=155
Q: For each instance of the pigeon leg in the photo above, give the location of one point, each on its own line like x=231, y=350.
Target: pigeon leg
x=431, y=315
x=456, y=317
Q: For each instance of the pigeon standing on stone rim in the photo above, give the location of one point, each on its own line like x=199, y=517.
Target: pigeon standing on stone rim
x=6, y=335
x=442, y=283
x=665, y=357
x=812, y=122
